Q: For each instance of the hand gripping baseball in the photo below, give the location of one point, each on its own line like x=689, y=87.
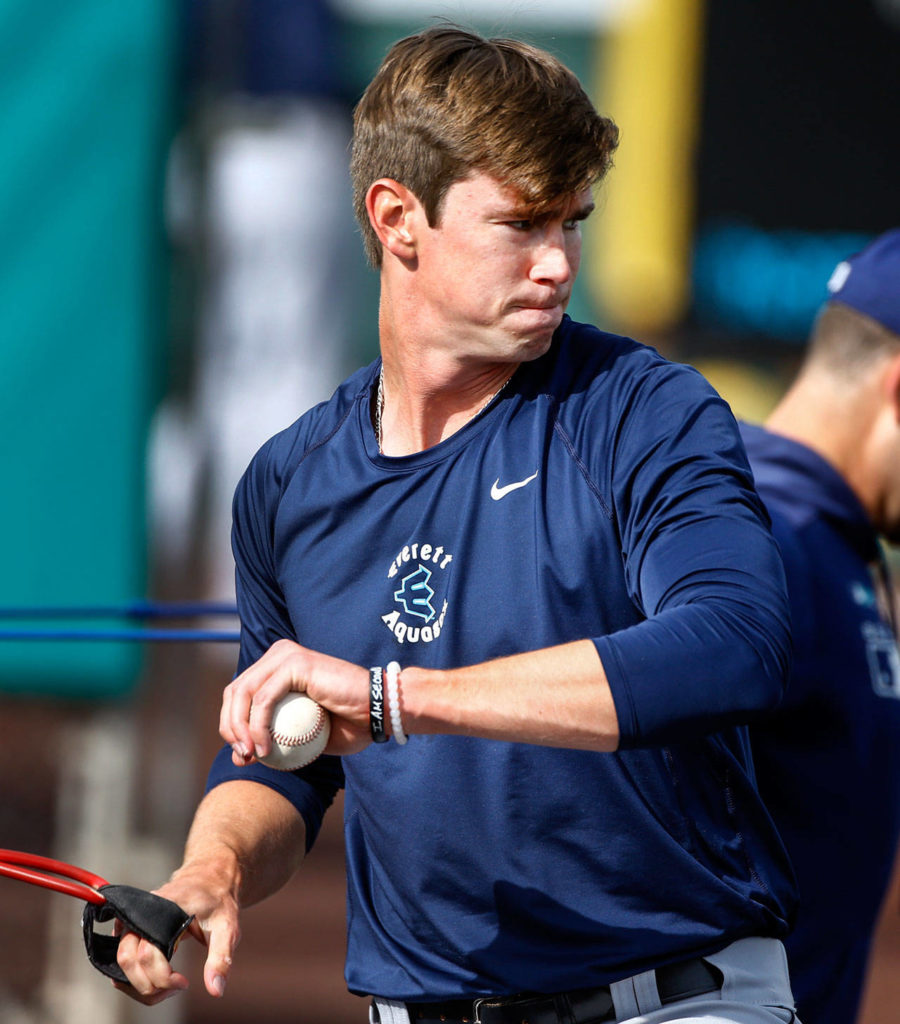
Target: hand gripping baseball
x=250, y=700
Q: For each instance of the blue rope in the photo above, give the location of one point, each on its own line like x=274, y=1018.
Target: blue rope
x=127, y=635
x=133, y=610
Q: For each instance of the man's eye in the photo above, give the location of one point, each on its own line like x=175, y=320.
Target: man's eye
x=520, y=225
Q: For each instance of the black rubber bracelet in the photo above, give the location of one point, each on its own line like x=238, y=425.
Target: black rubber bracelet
x=376, y=705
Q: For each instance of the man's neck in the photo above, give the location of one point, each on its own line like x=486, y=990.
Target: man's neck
x=836, y=422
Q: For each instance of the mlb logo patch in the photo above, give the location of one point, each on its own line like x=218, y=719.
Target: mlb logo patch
x=884, y=659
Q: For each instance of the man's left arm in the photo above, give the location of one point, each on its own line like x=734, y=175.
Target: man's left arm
x=712, y=650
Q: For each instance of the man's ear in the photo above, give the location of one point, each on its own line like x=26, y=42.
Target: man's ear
x=392, y=210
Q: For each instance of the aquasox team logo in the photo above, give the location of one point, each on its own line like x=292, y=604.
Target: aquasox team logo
x=884, y=659
x=882, y=652
x=419, y=581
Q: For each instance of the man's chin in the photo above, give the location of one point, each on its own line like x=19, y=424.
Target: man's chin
x=536, y=328
x=539, y=318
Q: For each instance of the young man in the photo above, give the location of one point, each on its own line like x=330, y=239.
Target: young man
x=554, y=532
x=828, y=467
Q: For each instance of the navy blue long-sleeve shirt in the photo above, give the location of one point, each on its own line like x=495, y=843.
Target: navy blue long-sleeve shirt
x=478, y=866
x=829, y=760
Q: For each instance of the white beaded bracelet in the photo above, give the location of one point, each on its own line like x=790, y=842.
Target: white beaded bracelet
x=393, y=695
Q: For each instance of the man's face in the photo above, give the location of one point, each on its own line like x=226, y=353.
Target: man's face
x=492, y=279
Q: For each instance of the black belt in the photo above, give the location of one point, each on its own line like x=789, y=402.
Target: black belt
x=581, y=1006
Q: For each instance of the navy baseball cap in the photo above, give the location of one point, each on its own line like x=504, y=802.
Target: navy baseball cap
x=869, y=281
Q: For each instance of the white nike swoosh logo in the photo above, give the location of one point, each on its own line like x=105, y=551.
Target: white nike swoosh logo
x=500, y=492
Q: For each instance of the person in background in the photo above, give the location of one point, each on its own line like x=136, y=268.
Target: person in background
x=538, y=546
x=827, y=465
x=267, y=125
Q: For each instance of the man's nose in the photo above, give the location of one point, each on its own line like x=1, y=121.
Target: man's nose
x=552, y=260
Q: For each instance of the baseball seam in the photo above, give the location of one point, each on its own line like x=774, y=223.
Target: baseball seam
x=306, y=737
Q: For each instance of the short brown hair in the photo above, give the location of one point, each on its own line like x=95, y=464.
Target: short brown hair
x=446, y=103
x=848, y=342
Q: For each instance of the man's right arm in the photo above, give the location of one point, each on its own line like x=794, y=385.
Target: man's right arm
x=246, y=841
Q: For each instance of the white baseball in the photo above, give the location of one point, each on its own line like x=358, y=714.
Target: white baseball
x=300, y=729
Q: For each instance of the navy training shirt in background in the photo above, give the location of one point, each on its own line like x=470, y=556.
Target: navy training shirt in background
x=828, y=762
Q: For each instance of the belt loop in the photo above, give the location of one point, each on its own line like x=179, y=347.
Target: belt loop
x=646, y=992
x=390, y=1011
x=476, y=1011
x=624, y=999
x=564, y=1011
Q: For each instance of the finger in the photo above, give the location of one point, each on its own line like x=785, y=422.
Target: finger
x=254, y=694
x=215, y=975
x=240, y=753
x=225, y=716
x=150, y=976
x=234, y=726
x=222, y=943
x=148, y=1000
x=241, y=710
x=153, y=996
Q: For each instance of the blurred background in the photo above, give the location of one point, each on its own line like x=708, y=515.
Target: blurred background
x=181, y=277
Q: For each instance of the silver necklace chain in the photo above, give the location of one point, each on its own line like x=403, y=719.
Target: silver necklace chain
x=379, y=405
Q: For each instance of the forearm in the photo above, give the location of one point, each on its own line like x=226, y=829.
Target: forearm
x=245, y=842
x=247, y=839
x=558, y=696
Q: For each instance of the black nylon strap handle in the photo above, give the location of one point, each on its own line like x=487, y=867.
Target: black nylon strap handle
x=154, y=918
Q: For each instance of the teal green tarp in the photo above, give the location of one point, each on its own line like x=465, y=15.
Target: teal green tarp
x=84, y=107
